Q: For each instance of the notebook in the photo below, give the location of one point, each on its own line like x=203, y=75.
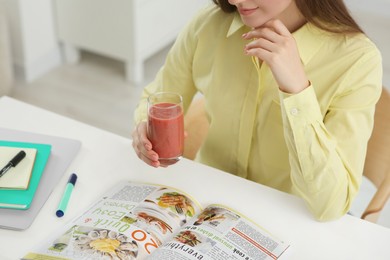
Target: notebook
x=63, y=152
x=21, y=199
x=17, y=177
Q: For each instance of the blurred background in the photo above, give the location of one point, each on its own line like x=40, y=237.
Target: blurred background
x=87, y=59
x=90, y=59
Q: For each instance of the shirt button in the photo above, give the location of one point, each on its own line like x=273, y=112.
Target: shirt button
x=294, y=111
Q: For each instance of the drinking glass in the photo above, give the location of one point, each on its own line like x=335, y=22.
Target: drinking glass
x=165, y=127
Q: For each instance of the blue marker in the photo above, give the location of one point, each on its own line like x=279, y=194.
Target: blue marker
x=65, y=197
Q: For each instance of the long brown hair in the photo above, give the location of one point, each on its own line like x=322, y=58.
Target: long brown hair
x=329, y=15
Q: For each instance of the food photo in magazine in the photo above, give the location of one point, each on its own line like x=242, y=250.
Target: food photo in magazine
x=150, y=221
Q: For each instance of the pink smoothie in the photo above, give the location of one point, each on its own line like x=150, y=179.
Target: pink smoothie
x=166, y=130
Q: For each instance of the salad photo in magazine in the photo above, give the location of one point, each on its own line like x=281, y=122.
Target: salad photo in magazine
x=149, y=221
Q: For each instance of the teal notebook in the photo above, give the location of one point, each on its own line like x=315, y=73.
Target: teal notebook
x=21, y=199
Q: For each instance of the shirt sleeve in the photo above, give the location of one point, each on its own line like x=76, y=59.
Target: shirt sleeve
x=327, y=147
x=176, y=73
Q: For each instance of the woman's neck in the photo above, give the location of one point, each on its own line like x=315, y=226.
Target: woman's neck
x=292, y=18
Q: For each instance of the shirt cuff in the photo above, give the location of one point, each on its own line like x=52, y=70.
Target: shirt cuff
x=301, y=108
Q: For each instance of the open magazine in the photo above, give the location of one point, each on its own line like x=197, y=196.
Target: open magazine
x=148, y=221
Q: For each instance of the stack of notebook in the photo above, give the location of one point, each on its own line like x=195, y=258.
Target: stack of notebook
x=19, y=183
x=25, y=187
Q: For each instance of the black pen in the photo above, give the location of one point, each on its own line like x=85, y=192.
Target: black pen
x=14, y=161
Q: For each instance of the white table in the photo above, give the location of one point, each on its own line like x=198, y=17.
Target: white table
x=106, y=158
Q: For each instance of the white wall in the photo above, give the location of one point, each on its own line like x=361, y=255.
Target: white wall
x=374, y=17
x=35, y=50
x=6, y=72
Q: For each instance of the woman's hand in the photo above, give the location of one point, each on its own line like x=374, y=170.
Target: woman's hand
x=143, y=147
x=275, y=45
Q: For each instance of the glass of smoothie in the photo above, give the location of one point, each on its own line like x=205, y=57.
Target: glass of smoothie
x=166, y=126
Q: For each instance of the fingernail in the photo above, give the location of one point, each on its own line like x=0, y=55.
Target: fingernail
x=148, y=147
x=155, y=157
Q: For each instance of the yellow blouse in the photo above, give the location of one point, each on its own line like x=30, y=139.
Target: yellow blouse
x=312, y=144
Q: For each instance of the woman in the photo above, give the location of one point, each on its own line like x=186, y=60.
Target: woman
x=290, y=88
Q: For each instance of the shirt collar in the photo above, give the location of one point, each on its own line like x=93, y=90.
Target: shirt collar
x=235, y=25
x=309, y=38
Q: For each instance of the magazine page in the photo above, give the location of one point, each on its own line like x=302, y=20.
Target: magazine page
x=129, y=222
x=219, y=233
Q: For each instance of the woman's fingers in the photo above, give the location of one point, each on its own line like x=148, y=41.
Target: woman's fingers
x=143, y=146
x=268, y=40
x=263, y=32
x=260, y=43
x=278, y=27
x=276, y=46
x=150, y=158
